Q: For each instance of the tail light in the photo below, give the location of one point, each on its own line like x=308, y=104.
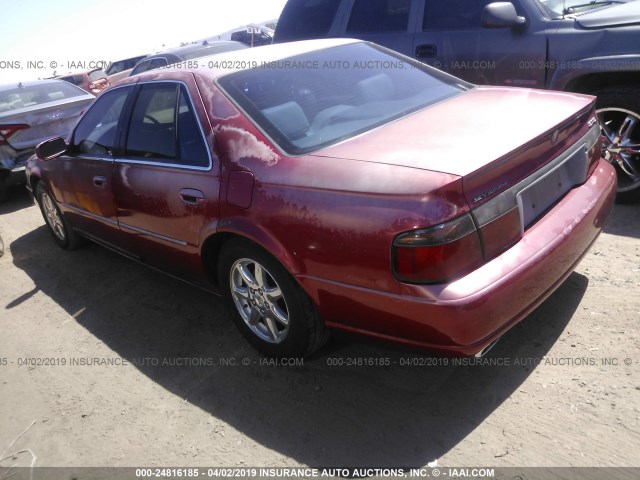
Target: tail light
x=438, y=253
x=452, y=249
x=7, y=131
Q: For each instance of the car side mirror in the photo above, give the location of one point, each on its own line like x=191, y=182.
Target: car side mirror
x=501, y=15
x=52, y=148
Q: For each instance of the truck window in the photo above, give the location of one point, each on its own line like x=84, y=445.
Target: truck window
x=379, y=16
x=453, y=14
x=306, y=19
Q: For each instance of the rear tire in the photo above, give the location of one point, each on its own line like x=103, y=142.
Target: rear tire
x=618, y=111
x=270, y=309
x=63, y=234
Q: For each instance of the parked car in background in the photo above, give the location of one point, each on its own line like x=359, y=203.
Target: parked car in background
x=31, y=112
x=93, y=81
x=186, y=53
x=378, y=198
x=259, y=36
x=572, y=45
x=122, y=68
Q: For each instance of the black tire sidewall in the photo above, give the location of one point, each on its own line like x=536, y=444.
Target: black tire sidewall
x=297, y=341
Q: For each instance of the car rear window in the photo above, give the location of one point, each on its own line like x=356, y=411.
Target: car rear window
x=379, y=16
x=75, y=79
x=212, y=50
x=97, y=75
x=122, y=65
x=150, y=64
x=305, y=19
x=317, y=99
x=16, y=98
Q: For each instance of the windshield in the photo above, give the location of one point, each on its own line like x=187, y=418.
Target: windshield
x=322, y=97
x=560, y=8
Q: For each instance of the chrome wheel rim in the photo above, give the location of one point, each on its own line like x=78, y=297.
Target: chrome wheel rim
x=259, y=300
x=620, y=142
x=52, y=215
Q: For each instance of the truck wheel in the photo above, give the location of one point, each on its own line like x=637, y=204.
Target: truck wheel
x=619, y=115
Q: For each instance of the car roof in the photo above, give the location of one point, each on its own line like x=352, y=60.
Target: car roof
x=229, y=62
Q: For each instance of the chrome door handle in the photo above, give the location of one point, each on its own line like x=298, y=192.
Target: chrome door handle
x=99, y=181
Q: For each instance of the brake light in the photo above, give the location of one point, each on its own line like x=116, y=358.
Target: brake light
x=439, y=253
x=6, y=131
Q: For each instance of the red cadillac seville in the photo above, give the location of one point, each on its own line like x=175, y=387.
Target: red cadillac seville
x=335, y=184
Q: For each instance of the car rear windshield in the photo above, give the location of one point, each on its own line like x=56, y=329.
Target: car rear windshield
x=310, y=101
x=97, y=75
x=15, y=98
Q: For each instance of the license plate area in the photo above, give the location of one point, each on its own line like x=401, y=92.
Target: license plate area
x=536, y=198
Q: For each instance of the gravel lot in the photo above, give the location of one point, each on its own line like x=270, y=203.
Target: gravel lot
x=105, y=362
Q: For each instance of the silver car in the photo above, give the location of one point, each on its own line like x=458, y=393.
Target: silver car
x=31, y=112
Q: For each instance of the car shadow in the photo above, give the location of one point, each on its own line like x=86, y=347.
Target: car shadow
x=356, y=403
x=624, y=221
x=17, y=199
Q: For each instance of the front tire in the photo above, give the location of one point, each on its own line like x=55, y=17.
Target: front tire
x=618, y=111
x=63, y=234
x=270, y=309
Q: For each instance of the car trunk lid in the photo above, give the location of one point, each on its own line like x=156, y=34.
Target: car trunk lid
x=44, y=120
x=493, y=137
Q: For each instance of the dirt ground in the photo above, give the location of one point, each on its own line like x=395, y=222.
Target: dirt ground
x=105, y=362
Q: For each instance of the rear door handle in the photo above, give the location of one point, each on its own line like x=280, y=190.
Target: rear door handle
x=99, y=181
x=191, y=196
x=426, y=51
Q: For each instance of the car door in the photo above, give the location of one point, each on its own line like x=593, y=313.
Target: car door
x=164, y=185
x=452, y=32
x=82, y=176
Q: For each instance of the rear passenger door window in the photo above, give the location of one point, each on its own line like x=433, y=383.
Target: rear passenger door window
x=373, y=16
x=164, y=129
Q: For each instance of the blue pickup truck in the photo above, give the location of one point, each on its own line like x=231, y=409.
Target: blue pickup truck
x=572, y=45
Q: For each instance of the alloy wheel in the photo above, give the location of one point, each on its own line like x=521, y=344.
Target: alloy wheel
x=52, y=215
x=259, y=300
x=620, y=142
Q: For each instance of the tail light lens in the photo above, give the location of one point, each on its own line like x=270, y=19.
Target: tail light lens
x=439, y=253
x=6, y=131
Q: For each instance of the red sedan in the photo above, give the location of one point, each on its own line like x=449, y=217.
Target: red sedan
x=337, y=185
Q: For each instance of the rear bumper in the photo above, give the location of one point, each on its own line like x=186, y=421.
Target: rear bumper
x=466, y=315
